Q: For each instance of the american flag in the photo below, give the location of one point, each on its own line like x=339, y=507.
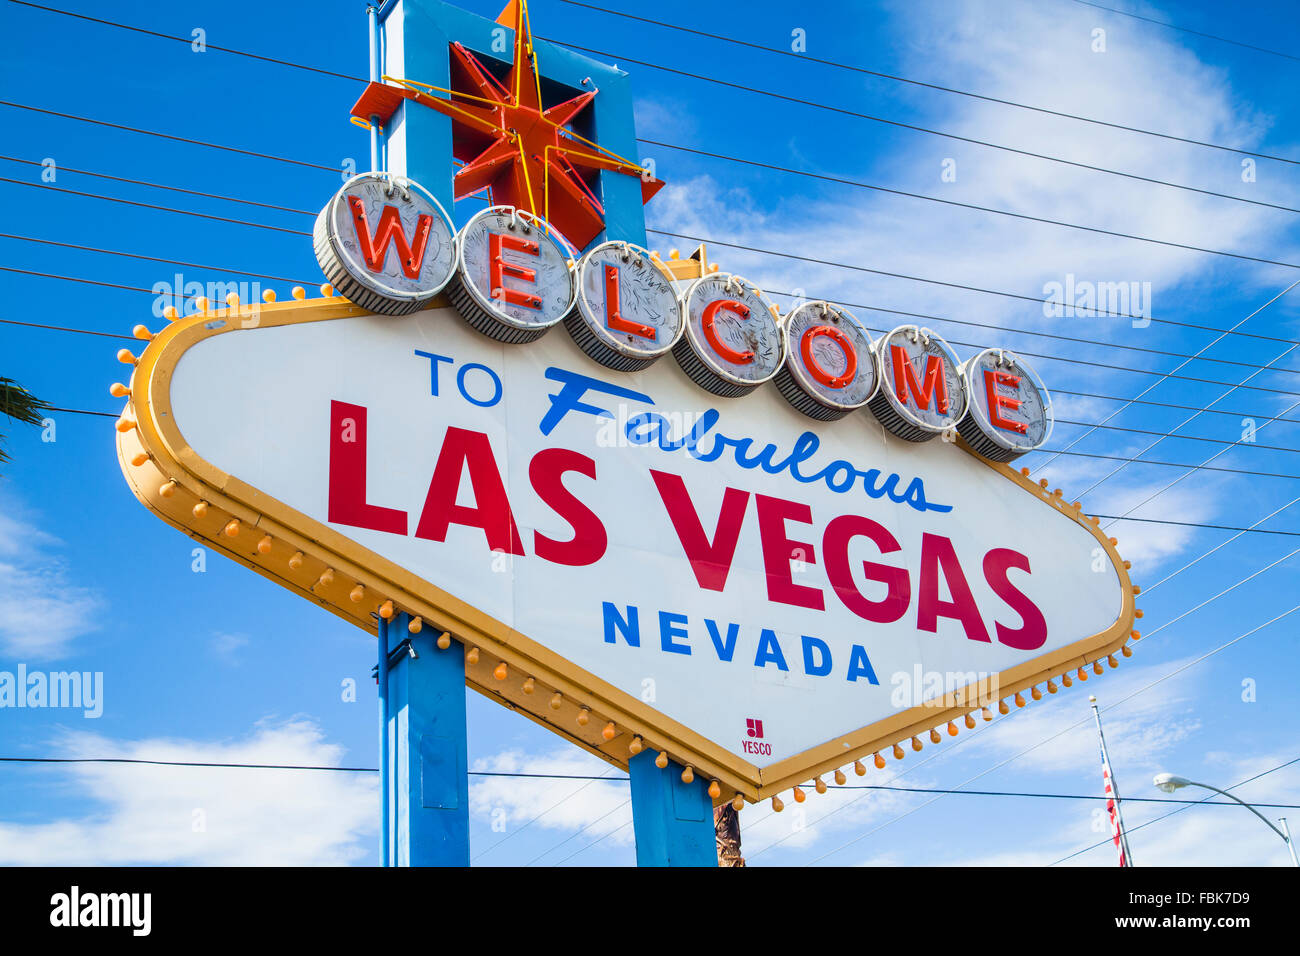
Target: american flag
x=1116, y=825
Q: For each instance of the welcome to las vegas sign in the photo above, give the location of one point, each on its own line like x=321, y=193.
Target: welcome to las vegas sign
x=770, y=546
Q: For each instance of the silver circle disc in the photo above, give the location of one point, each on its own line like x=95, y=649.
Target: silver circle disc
x=830, y=355
x=645, y=320
x=386, y=243
x=752, y=340
x=922, y=350
x=514, y=269
x=1009, y=404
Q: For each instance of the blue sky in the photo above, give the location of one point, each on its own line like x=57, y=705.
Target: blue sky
x=224, y=666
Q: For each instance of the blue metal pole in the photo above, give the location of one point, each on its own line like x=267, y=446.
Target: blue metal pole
x=427, y=776
x=385, y=791
x=672, y=820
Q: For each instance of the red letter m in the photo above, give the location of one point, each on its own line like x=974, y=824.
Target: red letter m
x=375, y=248
x=935, y=388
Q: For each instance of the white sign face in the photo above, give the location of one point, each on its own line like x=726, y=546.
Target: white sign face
x=717, y=561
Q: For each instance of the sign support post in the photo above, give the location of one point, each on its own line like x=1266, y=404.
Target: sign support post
x=424, y=768
x=672, y=821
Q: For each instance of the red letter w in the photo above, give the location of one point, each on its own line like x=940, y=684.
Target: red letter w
x=375, y=248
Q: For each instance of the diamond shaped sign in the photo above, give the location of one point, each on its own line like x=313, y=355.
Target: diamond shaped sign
x=663, y=556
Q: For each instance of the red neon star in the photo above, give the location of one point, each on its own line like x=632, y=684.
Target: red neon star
x=510, y=143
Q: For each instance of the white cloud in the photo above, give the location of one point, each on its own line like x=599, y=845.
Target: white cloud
x=1037, y=56
x=1143, y=724
x=149, y=814
x=601, y=811
x=41, y=611
x=226, y=647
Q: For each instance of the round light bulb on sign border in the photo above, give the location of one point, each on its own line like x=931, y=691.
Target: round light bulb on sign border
x=802, y=386
x=525, y=309
x=385, y=286
x=646, y=298
x=756, y=334
x=1034, y=412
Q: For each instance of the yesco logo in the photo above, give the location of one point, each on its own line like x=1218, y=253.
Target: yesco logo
x=753, y=744
x=74, y=908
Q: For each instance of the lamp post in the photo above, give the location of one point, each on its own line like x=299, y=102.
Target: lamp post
x=1168, y=783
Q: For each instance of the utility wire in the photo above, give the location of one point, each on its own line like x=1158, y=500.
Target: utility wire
x=61, y=328
x=992, y=210
x=933, y=132
x=961, y=740
x=1071, y=727
x=178, y=139
x=1156, y=494
x=932, y=318
x=757, y=250
x=1184, y=363
x=1047, y=356
x=561, y=802
x=709, y=79
x=932, y=86
x=146, y=205
x=1209, y=798
x=1222, y=544
x=950, y=285
x=145, y=182
x=1072, y=339
x=596, y=779
x=147, y=258
x=1195, y=33
x=189, y=40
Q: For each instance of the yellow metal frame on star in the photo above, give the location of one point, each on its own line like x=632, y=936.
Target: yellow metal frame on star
x=325, y=567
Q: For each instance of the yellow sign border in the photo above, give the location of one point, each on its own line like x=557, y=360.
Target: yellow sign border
x=296, y=551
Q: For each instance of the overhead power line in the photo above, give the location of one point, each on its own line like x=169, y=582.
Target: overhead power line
x=720, y=82
x=1073, y=726
x=154, y=206
x=946, y=284
x=148, y=258
x=933, y=132
x=1204, y=348
x=62, y=328
x=154, y=185
x=1209, y=798
x=189, y=40
x=1072, y=359
x=178, y=139
x=1195, y=33
x=992, y=210
x=932, y=86
x=950, y=285
x=592, y=778
x=874, y=308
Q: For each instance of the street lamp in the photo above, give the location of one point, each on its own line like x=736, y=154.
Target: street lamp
x=1168, y=783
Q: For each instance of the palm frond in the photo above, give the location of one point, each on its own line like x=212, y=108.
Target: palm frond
x=20, y=405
